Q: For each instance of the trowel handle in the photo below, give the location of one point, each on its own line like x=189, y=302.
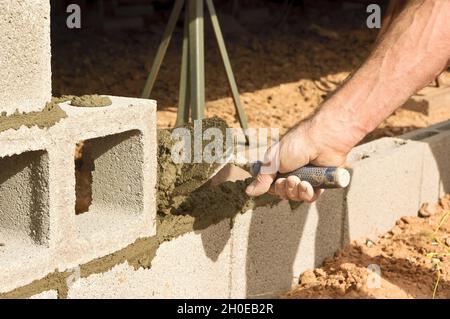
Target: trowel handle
x=318, y=177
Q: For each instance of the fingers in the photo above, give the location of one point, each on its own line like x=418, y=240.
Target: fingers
x=294, y=189
x=260, y=185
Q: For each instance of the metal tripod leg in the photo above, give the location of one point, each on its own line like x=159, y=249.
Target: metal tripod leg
x=226, y=62
x=196, y=59
x=175, y=14
x=183, y=97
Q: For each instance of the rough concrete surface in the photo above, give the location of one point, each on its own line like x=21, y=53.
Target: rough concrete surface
x=128, y=127
x=194, y=265
x=25, y=70
x=43, y=232
x=385, y=185
x=49, y=294
x=272, y=245
x=436, y=164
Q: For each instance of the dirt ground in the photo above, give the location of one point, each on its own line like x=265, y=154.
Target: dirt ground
x=412, y=257
x=285, y=67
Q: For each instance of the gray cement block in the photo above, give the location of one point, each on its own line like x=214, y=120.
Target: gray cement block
x=26, y=212
x=38, y=225
x=121, y=142
x=195, y=265
x=272, y=246
x=386, y=185
x=24, y=194
x=436, y=168
x=25, y=70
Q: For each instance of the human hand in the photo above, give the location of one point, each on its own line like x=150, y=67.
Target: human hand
x=305, y=144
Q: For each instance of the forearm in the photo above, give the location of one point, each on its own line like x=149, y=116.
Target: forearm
x=411, y=54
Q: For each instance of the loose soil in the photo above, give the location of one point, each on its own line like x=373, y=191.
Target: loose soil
x=412, y=256
x=283, y=70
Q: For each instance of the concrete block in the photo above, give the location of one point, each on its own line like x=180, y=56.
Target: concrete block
x=195, y=265
x=27, y=207
x=121, y=149
x=49, y=294
x=272, y=246
x=436, y=168
x=39, y=230
x=25, y=70
x=385, y=186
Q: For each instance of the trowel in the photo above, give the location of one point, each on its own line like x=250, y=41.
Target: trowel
x=319, y=177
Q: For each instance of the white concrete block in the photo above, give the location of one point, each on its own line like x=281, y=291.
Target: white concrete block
x=386, y=185
x=436, y=160
x=26, y=212
x=195, y=265
x=49, y=294
x=272, y=246
x=39, y=230
x=122, y=145
x=25, y=70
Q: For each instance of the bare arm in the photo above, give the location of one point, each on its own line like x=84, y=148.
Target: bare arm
x=412, y=52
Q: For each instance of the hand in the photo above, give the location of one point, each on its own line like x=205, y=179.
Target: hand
x=304, y=144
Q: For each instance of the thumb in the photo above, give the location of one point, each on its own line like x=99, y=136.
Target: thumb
x=268, y=172
x=260, y=185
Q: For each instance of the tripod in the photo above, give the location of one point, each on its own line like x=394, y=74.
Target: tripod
x=192, y=76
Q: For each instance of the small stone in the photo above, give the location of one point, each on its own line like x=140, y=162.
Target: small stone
x=435, y=261
x=341, y=289
x=428, y=209
x=408, y=219
x=2, y=244
x=396, y=230
x=369, y=243
x=320, y=272
x=308, y=277
x=347, y=266
x=447, y=241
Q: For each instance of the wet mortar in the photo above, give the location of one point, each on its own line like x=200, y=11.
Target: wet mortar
x=51, y=114
x=90, y=101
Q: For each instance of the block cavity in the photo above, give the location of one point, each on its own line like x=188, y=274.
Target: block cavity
x=112, y=183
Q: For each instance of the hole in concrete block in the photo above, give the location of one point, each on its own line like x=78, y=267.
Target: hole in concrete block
x=24, y=203
x=109, y=182
x=423, y=135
